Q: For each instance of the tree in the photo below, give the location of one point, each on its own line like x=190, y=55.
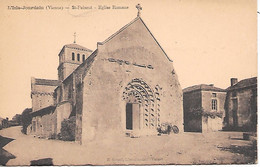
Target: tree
x=26, y=119
x=17, y=119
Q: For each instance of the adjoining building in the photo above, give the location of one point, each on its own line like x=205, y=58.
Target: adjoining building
x=241, y=105
x=1, y=122
x=128, y=85
x=203, y=107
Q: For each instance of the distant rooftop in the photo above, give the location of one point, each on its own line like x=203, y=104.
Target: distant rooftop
x=203, y=87
x=46, y=82
x=76, y=46
x=244, y=83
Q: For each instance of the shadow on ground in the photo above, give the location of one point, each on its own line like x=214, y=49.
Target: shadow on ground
x=5, y=156
x=249, y=151
x=235, y=138
x=42, y=162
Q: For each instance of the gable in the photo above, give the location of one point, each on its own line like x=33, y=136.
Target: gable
x=134, y=34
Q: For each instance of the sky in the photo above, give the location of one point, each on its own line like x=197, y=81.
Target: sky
x=209, y=41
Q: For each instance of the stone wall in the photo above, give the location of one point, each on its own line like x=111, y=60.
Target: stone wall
x=44, y=123
x=211, y=124
x=67, y=65
x=207, y=97
x=63, y=111
x=42, y=94
x=215, y=123
x=202, y=100
x=192, y=102
x=132, y=54
x=244, y=103
x=98, y=91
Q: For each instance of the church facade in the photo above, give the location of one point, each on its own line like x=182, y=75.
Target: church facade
x=126, y=87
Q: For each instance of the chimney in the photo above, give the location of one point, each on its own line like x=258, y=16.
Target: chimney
x=233, y=81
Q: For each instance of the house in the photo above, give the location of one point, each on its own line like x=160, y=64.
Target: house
x=127, y=86
x=203, y=107
x=241, y=105
x=1, y=121
x=4, y=123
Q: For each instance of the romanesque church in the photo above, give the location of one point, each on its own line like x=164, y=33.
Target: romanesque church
x=126, y=86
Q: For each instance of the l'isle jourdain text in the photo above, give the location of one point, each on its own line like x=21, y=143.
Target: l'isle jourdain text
x=73, y=7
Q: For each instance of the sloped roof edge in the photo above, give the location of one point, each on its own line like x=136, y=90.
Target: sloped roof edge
x=204, y=87
x=77, y=46
x=89, y=59
x=44, y=111
x=127, y=25
x=248, y=82
x=74, y=46
x=117, y=32
x=49, y=82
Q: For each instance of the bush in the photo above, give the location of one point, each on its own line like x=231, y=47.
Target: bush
x=68, y=127
x=167, y=128
x=198, y=112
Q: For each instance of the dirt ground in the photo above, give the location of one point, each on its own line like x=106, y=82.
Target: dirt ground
x=186, y=148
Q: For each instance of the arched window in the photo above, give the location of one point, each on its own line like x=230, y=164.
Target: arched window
x=78, y=57
x=73, y=56
x=83, y=57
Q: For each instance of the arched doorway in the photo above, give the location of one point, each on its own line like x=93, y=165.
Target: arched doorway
x=142, y=108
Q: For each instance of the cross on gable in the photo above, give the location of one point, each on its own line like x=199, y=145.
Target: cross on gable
x=139, y=8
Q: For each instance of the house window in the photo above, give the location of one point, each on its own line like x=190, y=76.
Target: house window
x=214, y=104
x=73, y=56
x=214, y=95
x=83, y=57
x=78, y=57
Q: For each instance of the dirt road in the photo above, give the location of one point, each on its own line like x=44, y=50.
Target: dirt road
x=185, y=148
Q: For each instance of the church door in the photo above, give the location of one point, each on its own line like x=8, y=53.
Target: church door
x=132, y=116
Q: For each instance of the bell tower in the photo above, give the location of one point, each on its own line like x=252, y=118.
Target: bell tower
x=70, y=57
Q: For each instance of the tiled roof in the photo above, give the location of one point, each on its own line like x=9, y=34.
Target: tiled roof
x=244, y=83
x=127, y=25
x=203, y=87
x=47, y=82
x=76, y=46
x=44, y=111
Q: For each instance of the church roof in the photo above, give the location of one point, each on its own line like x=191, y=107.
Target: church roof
x=244, y=83
x=49, y=82
x=204, y=87
x=44, y=111
x=127, y=25
x=76, y=46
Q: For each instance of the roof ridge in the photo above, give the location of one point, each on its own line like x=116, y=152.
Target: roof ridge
x=82, y=47
x=247, y=82
x=202, y=87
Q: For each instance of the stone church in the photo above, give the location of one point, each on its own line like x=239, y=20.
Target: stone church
x=126, y=87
